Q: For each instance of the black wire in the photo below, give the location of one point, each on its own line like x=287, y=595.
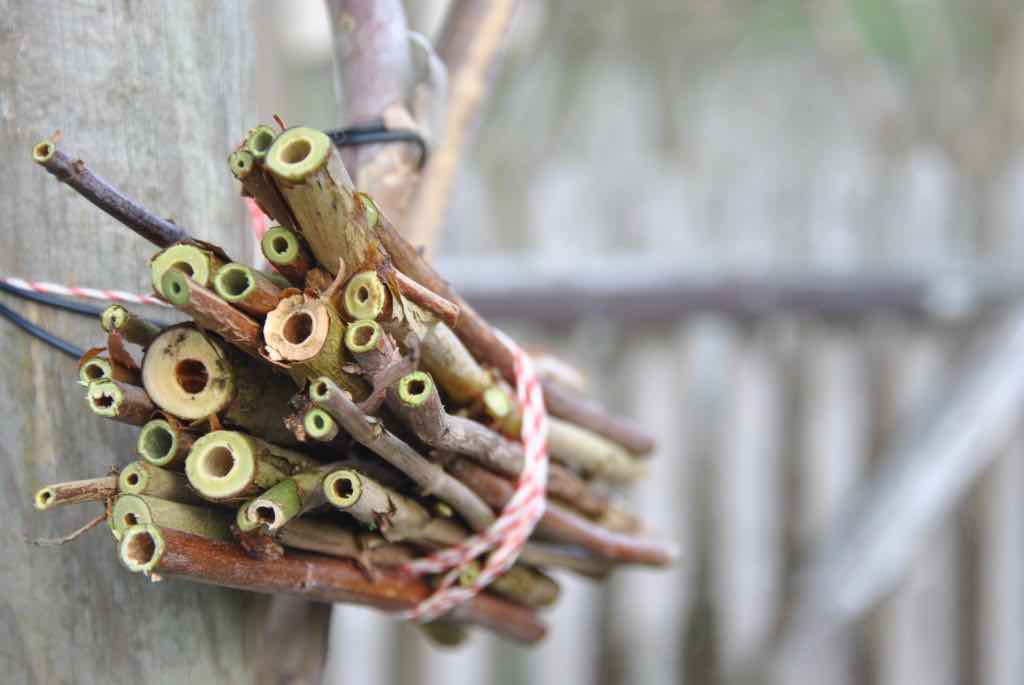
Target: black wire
x=58, y=302
x=35, y=331
x=52, y=301
x=377, y=132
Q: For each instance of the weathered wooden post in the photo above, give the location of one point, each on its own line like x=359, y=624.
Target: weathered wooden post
x=147, y=93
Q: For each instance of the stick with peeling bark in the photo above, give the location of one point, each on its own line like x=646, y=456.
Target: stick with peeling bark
x=76, y=174
x=246, y=289
x=120, y=401
x=75, y=492
x=212, y=313
x=142, y=478
x=167, y=553
x=429, y=477
x=306, y=334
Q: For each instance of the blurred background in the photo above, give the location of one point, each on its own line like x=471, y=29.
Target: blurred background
x=784, y=235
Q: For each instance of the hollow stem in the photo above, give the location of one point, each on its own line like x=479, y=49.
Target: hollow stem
x=320, y=425
x=285, y=251
x=199, y=264
x=171, y=553
x=285, y=501
x=143, y=478
x=164, y=444
x=380, y=508
x=102, y=369
x=120, y=401
x=132, y=327
x=306, y=333
x=212, y=313
x=228, y=465
x=246, y=289
x=132, y=510
x=75, y=492
x=192, y=375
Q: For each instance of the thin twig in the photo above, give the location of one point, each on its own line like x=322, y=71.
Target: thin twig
x=73, y=535
x=76, y=174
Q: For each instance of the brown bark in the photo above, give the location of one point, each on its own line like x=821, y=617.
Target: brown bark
x=327, y=579
x=76, y=492
x=563, y=525
x=76, y=174
x=212, y=313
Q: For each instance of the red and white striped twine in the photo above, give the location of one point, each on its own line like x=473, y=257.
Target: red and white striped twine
x=86, y=293
x=513, y=527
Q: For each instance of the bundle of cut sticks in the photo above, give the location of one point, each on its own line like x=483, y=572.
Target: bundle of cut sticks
x=312, y=429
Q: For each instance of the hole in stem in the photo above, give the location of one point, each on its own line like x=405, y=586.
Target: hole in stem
x=45, y=496
x=318, y=421
x=218, y=462
x=43, y=150
x=191, y=375
x=235, y=281
x=296, y=151
x=266, y=514
x=140, y=549
x=320, y=390
x=298, y=328
x=104, y=401
x=93, y=371
x=280, y=245
x=363, y=335
x=416, y=387
x=132, y=479
x=131, y=519
x=363, y=294
x=343, y=487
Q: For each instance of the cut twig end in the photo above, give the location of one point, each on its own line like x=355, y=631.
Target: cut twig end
x=298, y=153
x=43, y=151
x=416, y=388
x=234, y=282
x=365, y=296
x=105, y=398
x=242, y=163
x=320, y=425
x=158, y=442
x=343, y=488
x=142, y=547
x=221, y=465
x=260, y=140
x=44, y=498
x=363, y=336
x=280, y=246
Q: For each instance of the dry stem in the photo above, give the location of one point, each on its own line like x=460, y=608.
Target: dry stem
x=75, y=492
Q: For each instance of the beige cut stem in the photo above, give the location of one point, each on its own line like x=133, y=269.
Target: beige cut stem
x=75, y=492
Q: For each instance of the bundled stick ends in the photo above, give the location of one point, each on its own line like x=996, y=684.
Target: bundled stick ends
x=320, y=429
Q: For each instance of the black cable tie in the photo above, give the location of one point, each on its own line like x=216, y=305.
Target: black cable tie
x=376, y=132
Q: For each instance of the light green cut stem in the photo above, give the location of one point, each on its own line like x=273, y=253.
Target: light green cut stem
x=75, y=492
x=396, y=516
x=285, y=501
x=247, y=289
x=365, y=296
x=132, y=327
x=198, y=264
x=131, y=510
x=259, y=140
x=283, y=249
x=164, y=445
x=320, y=425
x=228, y=465
x=120, y=401
x=142, y=478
